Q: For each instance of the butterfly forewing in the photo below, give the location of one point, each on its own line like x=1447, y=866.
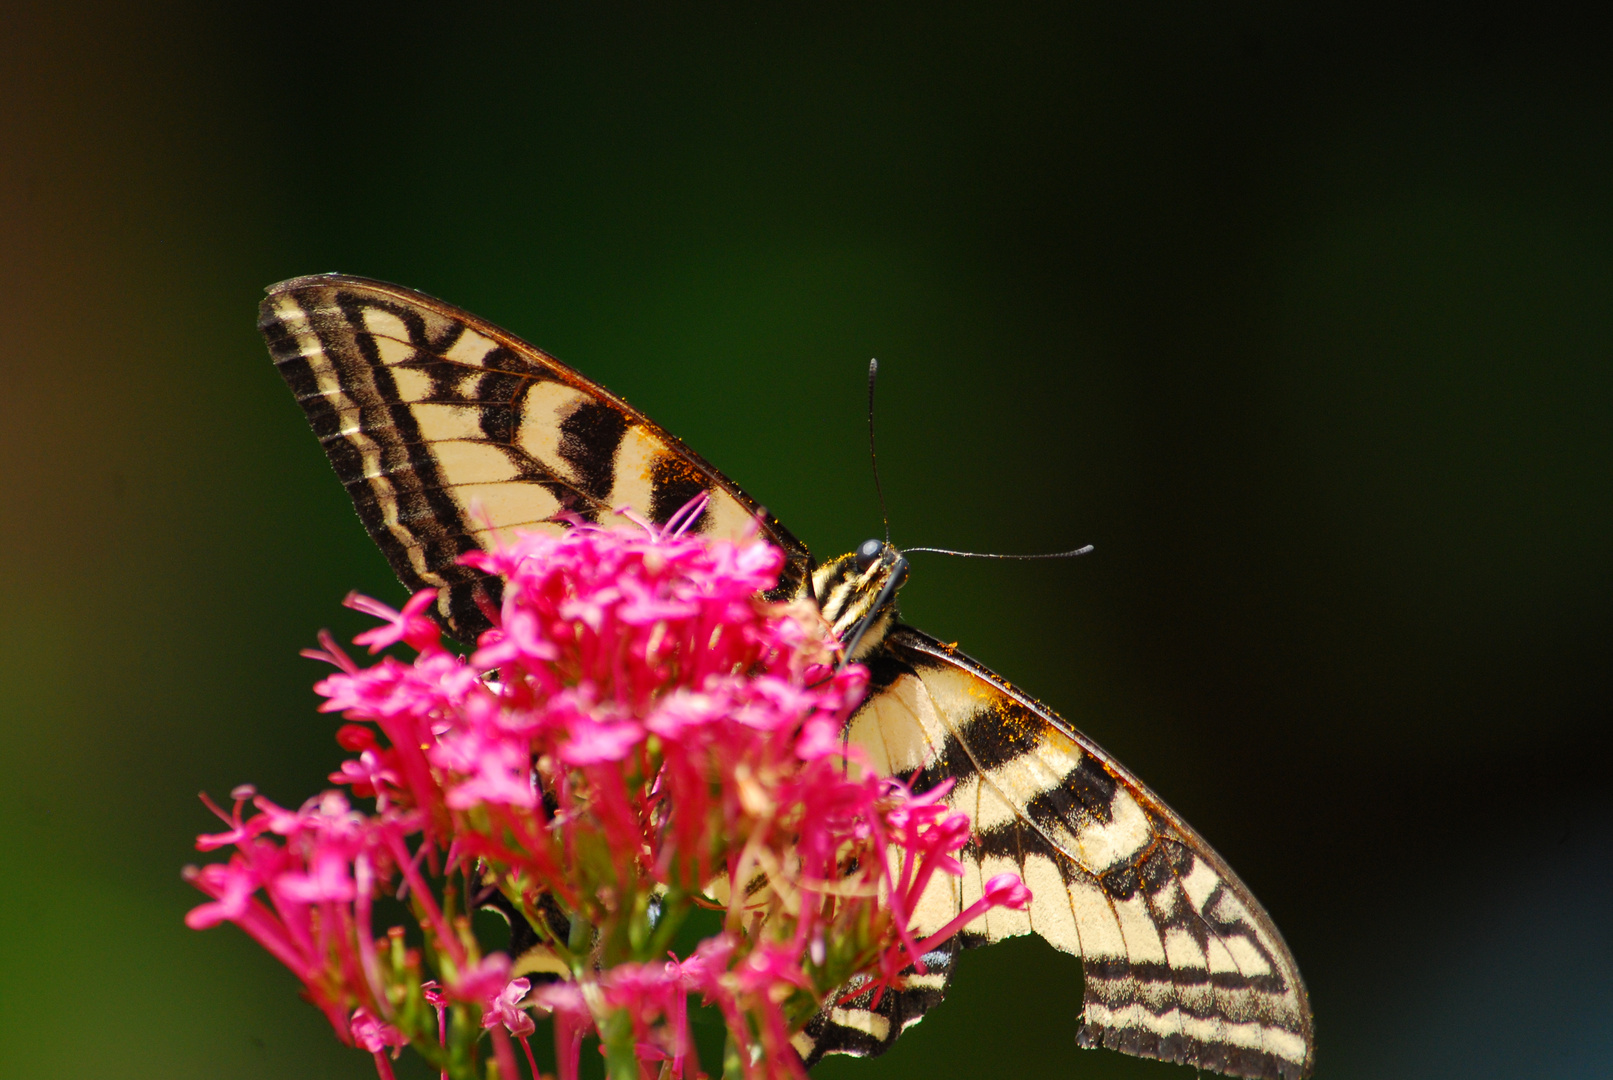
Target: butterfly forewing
x=444, y=427
x=1180, y=961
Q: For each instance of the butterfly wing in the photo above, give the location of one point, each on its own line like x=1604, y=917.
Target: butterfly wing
x=443, y=427
x=867, y=1024
x=1180, y=961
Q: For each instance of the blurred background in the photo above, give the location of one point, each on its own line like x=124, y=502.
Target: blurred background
x=1303, y=317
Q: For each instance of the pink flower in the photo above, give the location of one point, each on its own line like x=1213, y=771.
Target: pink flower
x=232, y=883
x=637, y=730
x=483, y=981
x=564, y=998
x=590, y=742
x=373, y=1035
x=326, y=879
x=495, y=771
x=410, y=626
x=367, y=774
x=1007, y=890
x=1004, y=890
x=505, y=1008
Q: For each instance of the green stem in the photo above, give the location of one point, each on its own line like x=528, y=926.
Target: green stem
x=616, y=1038
x=733, y=1062
x=577, y=944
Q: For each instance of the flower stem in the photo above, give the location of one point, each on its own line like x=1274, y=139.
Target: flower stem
x=733, y=1060
x=617, y=1040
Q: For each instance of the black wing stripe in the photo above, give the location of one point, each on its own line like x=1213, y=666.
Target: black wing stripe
x=860, y=1027
x=330, y=377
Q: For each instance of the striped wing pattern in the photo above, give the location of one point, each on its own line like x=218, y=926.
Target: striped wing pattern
x=868, y=1024
x=444, y=427
x=1180, y=961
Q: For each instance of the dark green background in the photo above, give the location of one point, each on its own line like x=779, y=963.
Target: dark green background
x=1305, y=319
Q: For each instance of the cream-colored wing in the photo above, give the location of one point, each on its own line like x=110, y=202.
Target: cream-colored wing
x=1181, y=963
x=427, y=412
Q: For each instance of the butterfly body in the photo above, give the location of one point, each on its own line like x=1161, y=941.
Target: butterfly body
x=444, y=427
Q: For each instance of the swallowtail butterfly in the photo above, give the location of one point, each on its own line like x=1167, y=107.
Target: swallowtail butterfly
x=426, y=410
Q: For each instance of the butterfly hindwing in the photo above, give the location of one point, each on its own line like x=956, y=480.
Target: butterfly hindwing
x=1180, y=962
x=443, y=426
x=868, y=1023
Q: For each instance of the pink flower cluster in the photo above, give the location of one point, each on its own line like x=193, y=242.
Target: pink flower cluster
x=638, y=737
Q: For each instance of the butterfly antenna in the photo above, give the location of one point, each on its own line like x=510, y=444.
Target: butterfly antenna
x=873, y=455
x=990, y=555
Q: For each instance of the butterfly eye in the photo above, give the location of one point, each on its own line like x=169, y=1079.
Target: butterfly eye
x=901, y=573
x=868, y=553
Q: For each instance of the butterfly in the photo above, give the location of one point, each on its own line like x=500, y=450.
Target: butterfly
x=427, y=411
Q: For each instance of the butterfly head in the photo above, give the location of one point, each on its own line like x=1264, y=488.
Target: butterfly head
x=857, y=594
